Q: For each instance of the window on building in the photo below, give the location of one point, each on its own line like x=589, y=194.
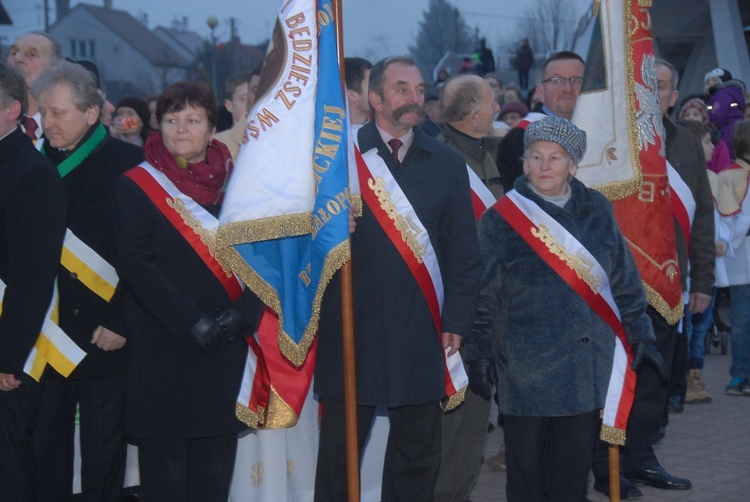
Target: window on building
x=82, y=48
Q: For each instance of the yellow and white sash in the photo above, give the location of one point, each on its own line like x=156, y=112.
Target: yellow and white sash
x=90, y=268
x=52, y=347
x=399, y=220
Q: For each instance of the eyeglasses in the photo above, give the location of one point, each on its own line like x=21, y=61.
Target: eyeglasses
x=561, y=81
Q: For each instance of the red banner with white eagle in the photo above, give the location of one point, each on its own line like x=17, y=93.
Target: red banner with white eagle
x=619, y=110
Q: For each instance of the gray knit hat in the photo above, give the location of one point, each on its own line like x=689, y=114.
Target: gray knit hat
x=560, y=131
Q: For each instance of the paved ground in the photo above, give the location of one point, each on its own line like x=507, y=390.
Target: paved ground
x=708, y=444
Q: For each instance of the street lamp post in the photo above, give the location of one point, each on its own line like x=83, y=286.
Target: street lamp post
x=211, y=21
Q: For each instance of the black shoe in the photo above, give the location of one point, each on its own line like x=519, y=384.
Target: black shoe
x=628, y=491
x=659, y=478
x=676, y=404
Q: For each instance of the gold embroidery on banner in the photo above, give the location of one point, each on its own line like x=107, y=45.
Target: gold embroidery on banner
x=647, y=25
x=239, y=233
x=645, y=3
x=265, y=229
x=280, y=415
x=409, y=230
x=669, y=267
x=355, y=203
x=671, y=315
x=620, y=190
x=248, y=416
x=612, y=435
x=646, y=194
x=257, y=473
x=595, y=7
x=611, y=154
x=579, y=264
x=207, y=237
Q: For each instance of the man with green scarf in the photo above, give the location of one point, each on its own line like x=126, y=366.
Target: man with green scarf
x=88, y=160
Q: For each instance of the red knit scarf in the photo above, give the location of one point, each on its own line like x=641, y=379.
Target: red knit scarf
x=203, y=181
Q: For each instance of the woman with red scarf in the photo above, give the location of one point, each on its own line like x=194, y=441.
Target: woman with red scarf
x=187, y=315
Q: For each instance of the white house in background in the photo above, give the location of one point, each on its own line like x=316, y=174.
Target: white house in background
x=696, y=36
x=131, y=58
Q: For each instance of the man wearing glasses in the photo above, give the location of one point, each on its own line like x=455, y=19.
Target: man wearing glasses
x=558, y=90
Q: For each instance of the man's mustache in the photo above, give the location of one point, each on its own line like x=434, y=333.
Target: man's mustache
x=403, y=110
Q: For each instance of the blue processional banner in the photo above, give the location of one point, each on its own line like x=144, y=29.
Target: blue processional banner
x=284, y=223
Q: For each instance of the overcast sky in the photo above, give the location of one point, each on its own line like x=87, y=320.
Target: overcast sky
x=372, y=28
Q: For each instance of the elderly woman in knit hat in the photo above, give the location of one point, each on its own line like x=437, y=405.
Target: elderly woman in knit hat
x=551, y=249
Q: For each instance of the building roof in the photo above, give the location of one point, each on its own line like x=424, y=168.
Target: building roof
x=184, y=41
x=135, y=34
x=4, y=17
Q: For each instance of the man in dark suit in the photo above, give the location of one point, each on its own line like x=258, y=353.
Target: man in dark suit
x=88, y=160
x=32, y=227
x=400, y=352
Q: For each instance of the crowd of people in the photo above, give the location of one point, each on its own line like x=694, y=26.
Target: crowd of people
x=107, y=220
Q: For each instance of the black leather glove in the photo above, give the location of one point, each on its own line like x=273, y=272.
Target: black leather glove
x=648, y=352
x=209, y=335
x=231, y=321
x=482, y=377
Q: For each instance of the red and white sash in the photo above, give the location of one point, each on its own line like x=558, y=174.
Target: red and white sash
x=683, y=203
x=196, y=225
x=481, y=197
x=400, y=221
x=529, y=118
x=565, y=255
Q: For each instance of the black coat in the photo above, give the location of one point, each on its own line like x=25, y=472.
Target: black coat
x=174, y=389
x=398, y=351
x=88, y=188
x=32, y=226
x=510, y=155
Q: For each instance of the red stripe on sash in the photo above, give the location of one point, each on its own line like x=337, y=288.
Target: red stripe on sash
x=523, y=226
x=523, y=124
x=159, y=196
x=478, y=204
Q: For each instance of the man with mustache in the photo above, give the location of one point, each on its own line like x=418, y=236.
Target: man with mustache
x=415, y=267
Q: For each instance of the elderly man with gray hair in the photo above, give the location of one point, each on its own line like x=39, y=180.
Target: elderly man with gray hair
x=468, y=106
x=88, y=160
x=31, y=54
